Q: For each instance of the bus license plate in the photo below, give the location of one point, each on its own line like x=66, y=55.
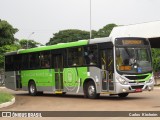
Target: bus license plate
x=138, y=90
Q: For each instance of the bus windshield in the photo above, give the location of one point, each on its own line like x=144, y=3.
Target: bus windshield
x=133, y=59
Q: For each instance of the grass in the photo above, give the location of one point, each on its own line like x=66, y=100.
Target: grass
x=157, y=85
x=5, y=97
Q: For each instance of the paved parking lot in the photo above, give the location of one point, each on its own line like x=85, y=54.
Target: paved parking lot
x=145, y=101
x=49, y=102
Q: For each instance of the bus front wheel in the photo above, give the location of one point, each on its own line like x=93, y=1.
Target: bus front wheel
x=32, y=88
x=91, y=90
x=122, y=95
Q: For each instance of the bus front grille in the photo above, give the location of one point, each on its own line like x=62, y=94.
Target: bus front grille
x=137, y=87
x=136, y=77
x=138, y=81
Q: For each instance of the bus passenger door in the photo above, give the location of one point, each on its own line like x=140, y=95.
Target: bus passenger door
x=106, y=57
x=58, y=66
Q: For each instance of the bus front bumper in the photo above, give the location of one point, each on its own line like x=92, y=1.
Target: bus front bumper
x=133, y=88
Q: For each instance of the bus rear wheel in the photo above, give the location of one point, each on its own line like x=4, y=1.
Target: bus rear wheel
x=32, y=88
x=122, y=95
x=91, y=90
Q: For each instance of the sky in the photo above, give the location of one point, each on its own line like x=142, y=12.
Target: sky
x=40, y=19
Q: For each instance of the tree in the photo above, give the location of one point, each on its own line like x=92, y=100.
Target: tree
x=6, y=33
x=31, y=43
x=94, y=34
x=7, y=40
x=106, y=30
x=156, y=59
x=69, y=35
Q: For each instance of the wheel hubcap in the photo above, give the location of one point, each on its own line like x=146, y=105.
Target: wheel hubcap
x=32, y=88
x=91, y=90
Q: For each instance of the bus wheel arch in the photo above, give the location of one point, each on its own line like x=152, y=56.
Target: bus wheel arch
x=32, y=89
x=90, y=90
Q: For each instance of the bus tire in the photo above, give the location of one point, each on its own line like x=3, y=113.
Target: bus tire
x=32, y=88
x=91, y=91
x=123, y=95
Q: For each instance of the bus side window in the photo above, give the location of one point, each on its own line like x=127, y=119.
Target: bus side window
x=17, y=62
x=25, y=61
x=34, y=60
x=90, y=55
x=9, y=63
x=75, y=57
x=45, y=59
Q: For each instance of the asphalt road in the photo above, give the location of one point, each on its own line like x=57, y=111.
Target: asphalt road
x=145, y=101
x=50, y=102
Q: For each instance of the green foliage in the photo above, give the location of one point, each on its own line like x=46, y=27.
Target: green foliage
x=94, y=34
x=7, y=40
x=31, y=43
x=72, y=35
x=69, y=35
x=6, y=33
x=156, y=59
x=106, y=30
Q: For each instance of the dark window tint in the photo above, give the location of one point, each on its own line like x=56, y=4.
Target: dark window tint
x=17, y=62
x=45, y=59
x=75, y=56
x=90, y=55
x=34, y=60
x=9, y=63
x=25, y=61
x=13, y=62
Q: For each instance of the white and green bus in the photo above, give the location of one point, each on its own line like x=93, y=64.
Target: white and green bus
x=91, y=67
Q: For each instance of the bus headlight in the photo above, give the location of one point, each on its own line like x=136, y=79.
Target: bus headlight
x=122, y=80
x=151, y=79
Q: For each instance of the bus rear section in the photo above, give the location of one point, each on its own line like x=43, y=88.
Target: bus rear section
x=12, y=71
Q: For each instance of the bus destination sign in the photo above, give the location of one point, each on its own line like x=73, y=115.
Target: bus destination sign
x=132, y=42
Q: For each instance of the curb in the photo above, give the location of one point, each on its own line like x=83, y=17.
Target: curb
x=156, y=88
x=2, y=87
x=6, y=104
